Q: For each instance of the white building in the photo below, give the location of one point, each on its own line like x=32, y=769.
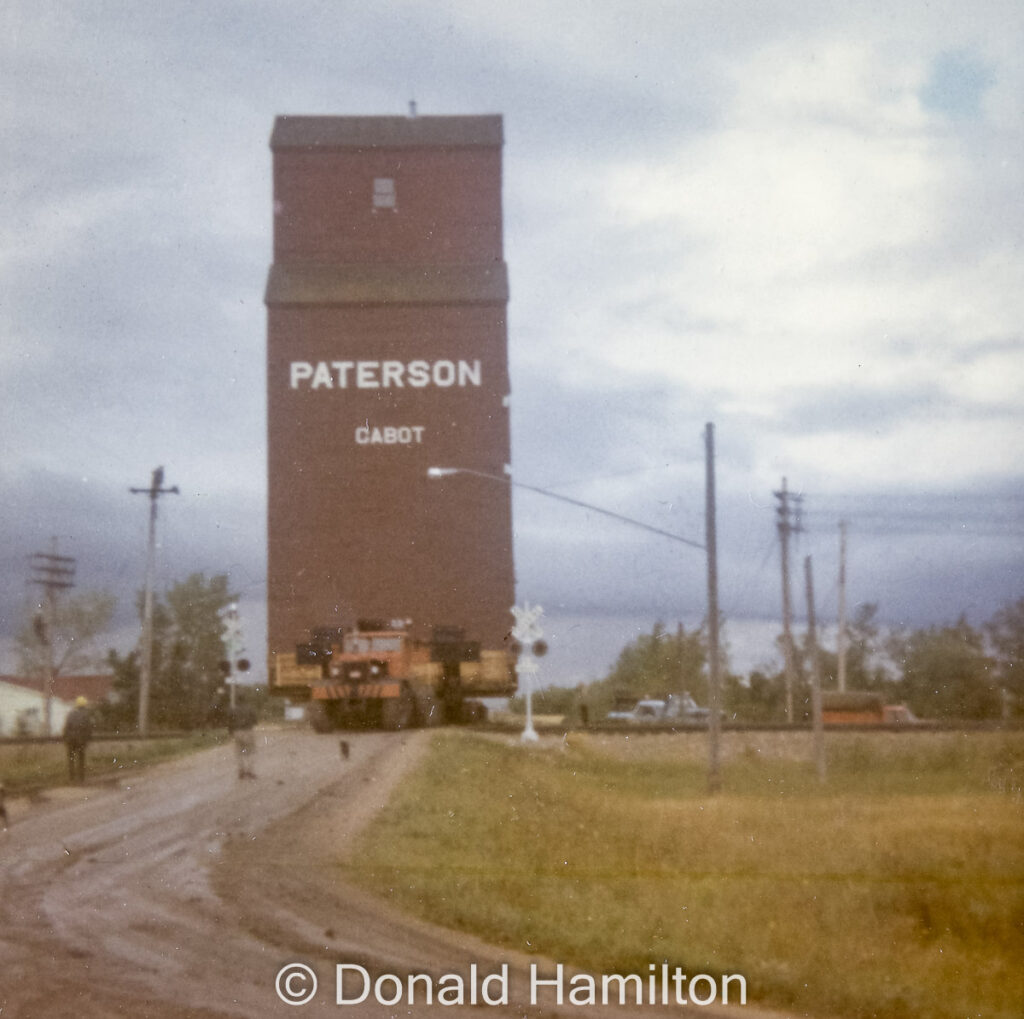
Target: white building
x=23, y=707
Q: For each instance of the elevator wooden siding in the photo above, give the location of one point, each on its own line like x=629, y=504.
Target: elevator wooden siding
x=355, y=528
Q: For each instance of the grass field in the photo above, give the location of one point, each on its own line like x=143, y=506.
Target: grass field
x=895, y=891
x=28, y=767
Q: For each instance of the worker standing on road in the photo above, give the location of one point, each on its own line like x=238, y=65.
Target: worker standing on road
x=240, y=724
x=77, y=733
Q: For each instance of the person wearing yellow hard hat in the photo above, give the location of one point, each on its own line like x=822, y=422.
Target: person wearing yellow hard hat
x=77, y=733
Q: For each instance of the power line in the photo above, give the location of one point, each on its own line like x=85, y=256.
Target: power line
x=749, y=577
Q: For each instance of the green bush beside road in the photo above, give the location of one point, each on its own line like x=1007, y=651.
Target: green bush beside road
x=895, y=890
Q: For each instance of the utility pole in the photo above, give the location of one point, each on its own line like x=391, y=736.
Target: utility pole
x=714, y=679
x=841, y=642
x=817, y=722
x=53, y=573
x=787, y=525
x=680, y=671
x=154, y=492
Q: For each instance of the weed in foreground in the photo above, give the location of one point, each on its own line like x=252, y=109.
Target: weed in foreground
x=28, y=767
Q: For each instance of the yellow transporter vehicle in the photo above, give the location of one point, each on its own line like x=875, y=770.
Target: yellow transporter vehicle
x=377, y=675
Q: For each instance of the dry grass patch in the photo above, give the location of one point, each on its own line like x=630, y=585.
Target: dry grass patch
x=898, y=891
x=28, y=767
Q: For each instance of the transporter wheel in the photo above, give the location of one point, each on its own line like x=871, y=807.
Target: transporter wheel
x=319, y=718
x=399, y=712
x=429, y=710
x=474, y=712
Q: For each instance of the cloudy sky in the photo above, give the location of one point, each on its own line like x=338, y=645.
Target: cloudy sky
x=800, y=221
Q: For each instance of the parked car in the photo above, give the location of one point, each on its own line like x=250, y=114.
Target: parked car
x=651, y=710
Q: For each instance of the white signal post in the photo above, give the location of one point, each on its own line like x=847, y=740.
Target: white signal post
x=527, y=632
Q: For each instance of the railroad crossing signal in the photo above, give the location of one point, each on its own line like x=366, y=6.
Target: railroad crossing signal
x=527, y=628
x=527, y=634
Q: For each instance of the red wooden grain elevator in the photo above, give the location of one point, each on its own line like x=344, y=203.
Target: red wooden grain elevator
x=387, y=355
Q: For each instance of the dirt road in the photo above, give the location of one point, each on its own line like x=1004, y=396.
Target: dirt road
x=185, y=891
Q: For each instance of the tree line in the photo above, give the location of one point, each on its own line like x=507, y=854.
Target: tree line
x=189, y=651
x=944, y=672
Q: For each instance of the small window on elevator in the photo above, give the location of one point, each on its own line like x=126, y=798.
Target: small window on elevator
x=384, y=193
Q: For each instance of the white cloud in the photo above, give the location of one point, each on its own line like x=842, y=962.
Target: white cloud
x=802, y=244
